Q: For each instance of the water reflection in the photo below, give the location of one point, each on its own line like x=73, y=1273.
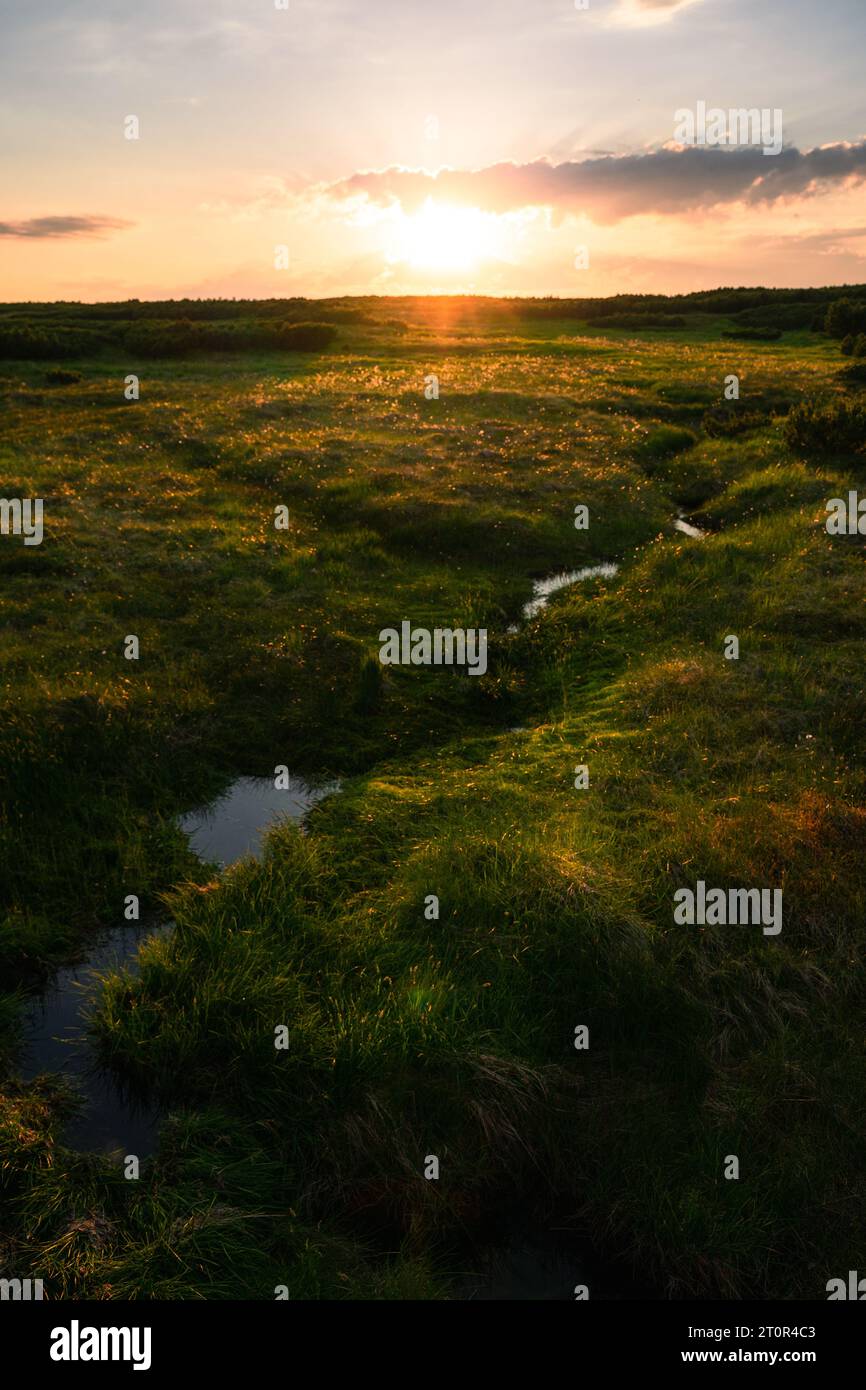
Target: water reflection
x=55, y=1022
x=235, y=824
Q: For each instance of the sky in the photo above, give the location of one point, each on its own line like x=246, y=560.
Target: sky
x=335, y=147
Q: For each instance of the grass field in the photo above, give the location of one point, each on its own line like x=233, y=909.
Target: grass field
x=453, y=1037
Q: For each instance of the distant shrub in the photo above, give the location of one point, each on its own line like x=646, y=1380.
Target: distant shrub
x=854, y=374
x=41, y=345
x=196, y=453
x=813, y=430
x=853, y=345
x=61, y=376
x=752, y=335
x=661, y=443
x=641, y=321
x=370, y=688
x=759, y=306
x=726, y=421
x=299, y=337
x=845, y=316
x=164, y=340
x=176, y=339
x=341, y=314
x=778, y=315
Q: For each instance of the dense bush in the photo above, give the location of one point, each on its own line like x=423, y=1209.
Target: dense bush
x=370, y=687
x=167, y=339
x=665, y=441
x=641, y=321
x=59, y=376
x=36, y=344
x=814, y=430
x=341, y=314
x=130, y=311
x=796, y=315
x=726, y=421
x=845, y=316
x=48, y=341
x=796, y=308
x=297, y=337
x=752, y=335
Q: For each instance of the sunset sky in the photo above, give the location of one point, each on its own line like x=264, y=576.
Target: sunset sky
x=396, y=146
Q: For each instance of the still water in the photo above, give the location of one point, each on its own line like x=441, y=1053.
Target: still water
x=236, y=823
x=55, y=1023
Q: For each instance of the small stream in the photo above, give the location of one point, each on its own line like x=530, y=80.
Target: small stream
x=55, y=1022
x=535, y=1264
x=542, y=589
x=688, y=529
x=55, y=1040
x=538, y=1264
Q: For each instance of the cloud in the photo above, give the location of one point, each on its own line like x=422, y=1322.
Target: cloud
x=40, y=228
x=829, y=243
x=668, y=181
x=641, y=14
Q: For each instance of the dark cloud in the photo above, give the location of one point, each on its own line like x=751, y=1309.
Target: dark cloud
x=611, y=187
x=43, y=227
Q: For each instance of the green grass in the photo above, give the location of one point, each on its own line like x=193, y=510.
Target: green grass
x=454, y=1036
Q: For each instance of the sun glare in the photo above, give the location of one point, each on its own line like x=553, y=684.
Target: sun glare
x=443, y=237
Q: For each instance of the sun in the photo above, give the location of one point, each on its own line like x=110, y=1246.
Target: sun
x=440, y=236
